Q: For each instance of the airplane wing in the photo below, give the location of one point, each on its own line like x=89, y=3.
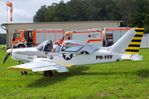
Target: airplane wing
x=39, y=65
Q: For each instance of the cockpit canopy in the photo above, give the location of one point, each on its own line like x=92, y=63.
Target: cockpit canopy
x=77, y=47
x=46, y=46
x=69, y=46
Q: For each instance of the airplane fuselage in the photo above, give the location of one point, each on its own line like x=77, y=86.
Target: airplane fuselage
x=27, y=54
x=81, y=59
x=99, y=56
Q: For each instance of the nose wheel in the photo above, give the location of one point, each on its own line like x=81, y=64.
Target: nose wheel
x=23, y=72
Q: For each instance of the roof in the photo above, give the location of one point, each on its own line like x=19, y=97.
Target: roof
x=3, y=24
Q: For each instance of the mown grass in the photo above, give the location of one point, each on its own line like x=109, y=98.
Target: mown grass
x=118, y=80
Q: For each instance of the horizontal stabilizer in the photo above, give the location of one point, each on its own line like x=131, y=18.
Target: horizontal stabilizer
x=134, y=57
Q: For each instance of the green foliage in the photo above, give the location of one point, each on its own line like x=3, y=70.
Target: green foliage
x=135, y=13
x=78, y=10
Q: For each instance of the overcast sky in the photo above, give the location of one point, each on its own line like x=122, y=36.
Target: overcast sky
x=23, y=10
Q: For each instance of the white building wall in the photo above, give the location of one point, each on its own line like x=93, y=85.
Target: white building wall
x=145, y=41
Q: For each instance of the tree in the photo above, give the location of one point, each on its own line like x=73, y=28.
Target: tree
x=41, y=14
x=135, y=13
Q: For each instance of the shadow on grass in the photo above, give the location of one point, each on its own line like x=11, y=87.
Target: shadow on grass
x=77, y=71
x=45, y=81
x=74, y=71
x=144, y=73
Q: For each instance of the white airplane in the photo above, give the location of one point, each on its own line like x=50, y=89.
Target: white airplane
x=77, y=53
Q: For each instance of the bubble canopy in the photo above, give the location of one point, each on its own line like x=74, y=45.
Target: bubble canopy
x=75, y=46
x=46, y=46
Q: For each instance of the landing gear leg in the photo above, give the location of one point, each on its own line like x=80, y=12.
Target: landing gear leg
x=48, y=73
x=24, y=72
x=20, y=62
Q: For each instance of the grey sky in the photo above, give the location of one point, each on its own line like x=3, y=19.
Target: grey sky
x=23, y=10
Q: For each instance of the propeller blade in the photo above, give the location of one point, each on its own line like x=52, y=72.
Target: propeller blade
x=6, y=57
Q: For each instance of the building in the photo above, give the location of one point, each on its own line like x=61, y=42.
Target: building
x=66, y=26
x=145, y=41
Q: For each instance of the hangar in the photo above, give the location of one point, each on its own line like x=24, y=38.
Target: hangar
x=66, y=26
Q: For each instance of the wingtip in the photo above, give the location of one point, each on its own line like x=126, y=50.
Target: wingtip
x=69, y=65
x=19, y=69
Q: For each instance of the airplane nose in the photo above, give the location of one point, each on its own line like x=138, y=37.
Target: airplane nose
x=9, y=50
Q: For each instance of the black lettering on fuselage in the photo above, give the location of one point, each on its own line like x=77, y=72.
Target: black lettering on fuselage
x=99, y=57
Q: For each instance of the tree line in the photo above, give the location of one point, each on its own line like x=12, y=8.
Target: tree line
x=133, y=13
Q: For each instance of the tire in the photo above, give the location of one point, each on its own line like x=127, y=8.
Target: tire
x=48, y=73
x=117, y=60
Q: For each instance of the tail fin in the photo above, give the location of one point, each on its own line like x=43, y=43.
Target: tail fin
x=134, y=45
x=121, y=45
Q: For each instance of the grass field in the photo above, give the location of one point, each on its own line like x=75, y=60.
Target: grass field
x=118, y=80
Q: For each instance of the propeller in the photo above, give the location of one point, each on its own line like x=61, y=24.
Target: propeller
x=9, y=51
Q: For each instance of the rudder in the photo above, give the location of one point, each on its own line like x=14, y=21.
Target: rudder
x=134, y=45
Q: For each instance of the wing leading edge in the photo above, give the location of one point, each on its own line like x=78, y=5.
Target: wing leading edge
x=39, y=65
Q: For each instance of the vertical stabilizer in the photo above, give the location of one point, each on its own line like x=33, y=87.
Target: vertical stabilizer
x=121, y=45
x=134, y=45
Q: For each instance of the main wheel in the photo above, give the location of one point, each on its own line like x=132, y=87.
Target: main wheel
x=48, y=73
x=117, y=60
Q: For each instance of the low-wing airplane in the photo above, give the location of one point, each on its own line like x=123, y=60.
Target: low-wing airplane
x=29, y=54
x=77, y=53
